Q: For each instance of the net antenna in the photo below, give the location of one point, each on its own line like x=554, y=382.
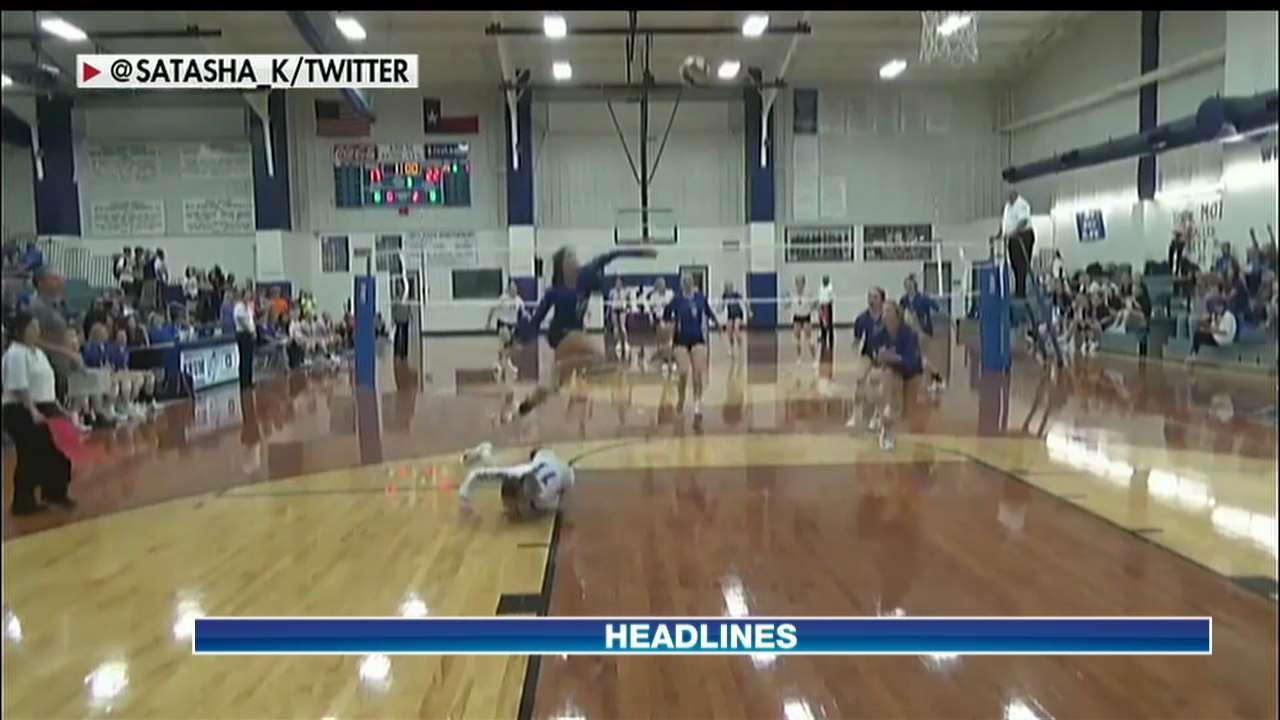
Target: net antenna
x=948, y=37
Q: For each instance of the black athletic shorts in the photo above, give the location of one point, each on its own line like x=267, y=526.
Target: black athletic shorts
x=800, y=319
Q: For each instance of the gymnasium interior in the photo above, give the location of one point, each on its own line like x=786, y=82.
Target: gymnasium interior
x=1071, y=214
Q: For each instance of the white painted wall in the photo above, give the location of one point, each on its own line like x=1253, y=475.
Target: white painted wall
x=1183, y=34
x=1251, y=51
x=167, y=121
x=17, y=194
x=582, y=175
x=905, y=154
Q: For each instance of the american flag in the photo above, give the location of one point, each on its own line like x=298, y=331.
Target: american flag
x=335, y=118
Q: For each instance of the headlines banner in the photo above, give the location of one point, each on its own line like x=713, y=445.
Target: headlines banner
x=705, y=636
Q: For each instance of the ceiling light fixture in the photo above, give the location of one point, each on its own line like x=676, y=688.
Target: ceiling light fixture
x=350, y=28
x=755, y=25
x=554, y=26
x=561, y=70
x=728, y=69
x=892, y=69
x=56, y=26
x=954, y=23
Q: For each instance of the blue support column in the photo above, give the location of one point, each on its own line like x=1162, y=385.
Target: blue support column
x=993, y=317
x=366, y=297
x=271, y=192
x=520, y=179
x=762, y=274
x=58, y=194
x=1148, y=100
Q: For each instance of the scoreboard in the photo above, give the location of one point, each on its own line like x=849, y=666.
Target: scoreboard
x=397, y=176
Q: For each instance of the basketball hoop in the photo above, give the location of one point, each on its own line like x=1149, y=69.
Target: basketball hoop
x=949, y=37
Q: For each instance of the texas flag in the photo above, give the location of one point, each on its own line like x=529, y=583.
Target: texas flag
x=435, y=122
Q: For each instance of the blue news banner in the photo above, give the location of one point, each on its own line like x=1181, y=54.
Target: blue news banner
x=706, y=636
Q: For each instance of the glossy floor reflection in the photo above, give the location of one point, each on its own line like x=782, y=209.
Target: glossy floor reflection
x=1118, y=488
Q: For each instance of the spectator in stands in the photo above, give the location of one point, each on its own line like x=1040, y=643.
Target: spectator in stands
x=1219, y=332
x=299, y=340
x=1134, y=308
x=120, y=384
x=1057, y=270
x=227, y=312
x=1253, y=268
x=277, y=303
x=33, y=259
x=1177, y=251
x=29, y=401
x=98, y=313
x=1236, y=293
x=1225, y=260
x=1271, y=308
x=134, y=335
x=161, y=332
x=89, y=395
x=160, y=269
x=217, y=281
x=142, y=382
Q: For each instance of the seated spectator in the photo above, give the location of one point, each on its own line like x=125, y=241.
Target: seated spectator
x=90, y=399
x=143, y=382
x=1220, y=331
x=99, y=313
x=161, y=332
x=300, y=343
x=1082, y=329
x=135, y=336
x=1236, y=293
x=123, y=385
x=277, y=304
x=1133, y=313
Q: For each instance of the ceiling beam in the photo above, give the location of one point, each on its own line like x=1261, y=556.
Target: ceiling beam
x=191, y=31
x=798, y=28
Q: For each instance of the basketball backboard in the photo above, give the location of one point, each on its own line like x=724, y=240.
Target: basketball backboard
x=630, y=225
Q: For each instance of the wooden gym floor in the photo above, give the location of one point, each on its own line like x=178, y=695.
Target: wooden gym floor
x=1121, y=488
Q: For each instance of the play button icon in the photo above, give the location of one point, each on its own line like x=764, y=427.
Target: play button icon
x=88, y=72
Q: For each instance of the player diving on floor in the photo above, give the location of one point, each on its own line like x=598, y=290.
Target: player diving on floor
x=529, y=489
x=566, y=301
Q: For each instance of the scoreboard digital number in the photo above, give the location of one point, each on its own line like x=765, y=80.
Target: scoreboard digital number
x=368, y=178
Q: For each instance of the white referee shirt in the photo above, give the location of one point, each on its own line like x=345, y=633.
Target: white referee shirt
x=1014, y=214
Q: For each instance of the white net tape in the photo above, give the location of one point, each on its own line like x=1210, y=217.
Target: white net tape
x=949, y=37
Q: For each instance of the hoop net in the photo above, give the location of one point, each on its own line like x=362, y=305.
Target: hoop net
x=949, y=37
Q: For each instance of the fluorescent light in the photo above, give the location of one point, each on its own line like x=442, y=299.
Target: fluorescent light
x=755, y=25
x=554, y=26
x=892, y=69
x=562, y=70
x=350, y=27
x=5, y=80
x=55, y=25
x=954, y=23
x=728, y=69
